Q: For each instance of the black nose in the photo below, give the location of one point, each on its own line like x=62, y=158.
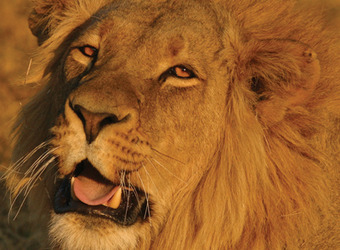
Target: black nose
x=95, y=122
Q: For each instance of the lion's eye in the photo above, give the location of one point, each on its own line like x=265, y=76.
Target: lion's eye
x=88, y=51
x=181, y=71
x=179, y=76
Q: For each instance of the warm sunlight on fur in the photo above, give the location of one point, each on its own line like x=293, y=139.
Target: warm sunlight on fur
x=183, y=124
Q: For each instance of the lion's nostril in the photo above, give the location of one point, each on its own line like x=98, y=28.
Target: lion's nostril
x=112, y=119
x=94, y=122
x=78, y=112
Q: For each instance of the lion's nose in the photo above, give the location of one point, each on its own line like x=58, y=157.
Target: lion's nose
x=95, y=122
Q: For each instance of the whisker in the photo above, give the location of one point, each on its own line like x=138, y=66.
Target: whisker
x=55, y=174
x=122, y=175
x=147, y=200
x=33, y=176
x=161, y=165
x=153, y=165
x=22, y=160
x=38, y=176
x=30, y=172
x=151, y=180
x=135, y=192
x=31, y=185
x=167, y=156
x=131, y=186
x=29, y=155
x=28, y=70
x=127, y=205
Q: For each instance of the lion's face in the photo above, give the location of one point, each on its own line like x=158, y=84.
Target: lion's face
x=142, y=121
x=179, y=124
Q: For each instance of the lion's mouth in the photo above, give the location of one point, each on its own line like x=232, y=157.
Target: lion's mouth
x=87, y=192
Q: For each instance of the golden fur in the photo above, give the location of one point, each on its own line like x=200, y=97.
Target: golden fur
x=245, y=155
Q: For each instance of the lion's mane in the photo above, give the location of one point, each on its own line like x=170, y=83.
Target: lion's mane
x=273, y=180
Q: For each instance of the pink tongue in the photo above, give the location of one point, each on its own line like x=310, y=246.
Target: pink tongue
x=92, y=192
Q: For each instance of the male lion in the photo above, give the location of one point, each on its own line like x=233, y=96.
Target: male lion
x=171, y=124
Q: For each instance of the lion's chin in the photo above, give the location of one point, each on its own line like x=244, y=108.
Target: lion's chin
x=132, y=203
x=76, y=231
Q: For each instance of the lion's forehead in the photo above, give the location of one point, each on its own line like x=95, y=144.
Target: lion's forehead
x=152, y=13
x=141, y=26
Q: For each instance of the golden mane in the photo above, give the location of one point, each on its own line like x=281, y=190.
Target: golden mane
x=272, y=182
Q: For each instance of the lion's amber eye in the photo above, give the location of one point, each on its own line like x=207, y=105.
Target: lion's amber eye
x=181, y=72
x=88, y=51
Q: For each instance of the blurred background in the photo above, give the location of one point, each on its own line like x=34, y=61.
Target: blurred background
x=16, y=48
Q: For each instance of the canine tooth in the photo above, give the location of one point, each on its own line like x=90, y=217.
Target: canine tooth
x=116, y=199
x=72, y=192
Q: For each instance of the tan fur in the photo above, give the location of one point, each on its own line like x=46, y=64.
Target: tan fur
x=243, y=156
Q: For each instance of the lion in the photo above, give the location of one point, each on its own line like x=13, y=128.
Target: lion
x=182, y=125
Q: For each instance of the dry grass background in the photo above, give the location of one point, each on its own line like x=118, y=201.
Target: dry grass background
x=16, y=46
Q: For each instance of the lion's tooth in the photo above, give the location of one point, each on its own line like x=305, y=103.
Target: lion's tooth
x=116, y=199
x=72, y=191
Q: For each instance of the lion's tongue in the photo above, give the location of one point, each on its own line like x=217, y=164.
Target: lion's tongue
x=91, y=188
x=91, y=192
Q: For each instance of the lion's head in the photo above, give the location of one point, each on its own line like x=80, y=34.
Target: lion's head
x=181, y=124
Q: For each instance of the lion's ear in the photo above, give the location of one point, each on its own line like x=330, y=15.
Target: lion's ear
x=44, y=17
x=284, y=74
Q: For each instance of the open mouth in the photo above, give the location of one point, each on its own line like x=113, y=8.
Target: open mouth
x=87, y=192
